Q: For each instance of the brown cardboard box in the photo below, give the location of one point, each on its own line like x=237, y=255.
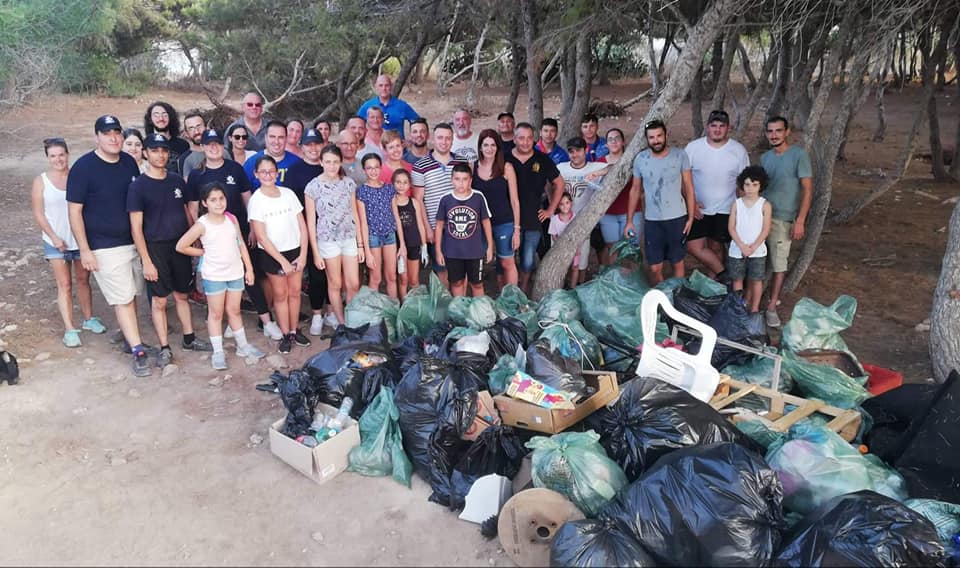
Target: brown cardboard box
x=487, y=416
x=323, y=462
x=523, y=414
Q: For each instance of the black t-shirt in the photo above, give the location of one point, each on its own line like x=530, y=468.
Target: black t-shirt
x=162, y=202
x=178, y=149
x=233, y=179
x=102, y=189
x=532, y=177
x=299, y=175
x=508, y=146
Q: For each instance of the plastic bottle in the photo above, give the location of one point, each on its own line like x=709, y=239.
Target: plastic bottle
x=401, y=264
x=319, y=421
x=342, y=418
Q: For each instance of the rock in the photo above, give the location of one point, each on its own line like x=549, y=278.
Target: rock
x=117, y=460
x=170, y=369
x=251, y=361
x=42, y=356
x=317, y=536
x=119, y=378
x=215, y=382
x=226, y=378
x=89, y=362
x=277, y=362
x=255, y=440
x=133, y=393
x=921, y=327
x=9, y=328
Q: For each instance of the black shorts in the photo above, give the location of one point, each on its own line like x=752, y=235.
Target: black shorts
x=714, y=227
x=469, y=268
x=255, y=262
x=174, y=270
x=269, y=265
x=664, y=240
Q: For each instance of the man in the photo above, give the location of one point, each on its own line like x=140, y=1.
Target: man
x=162, y=117
x=374, y=128
x=253, y=120
x=535, y=170
x=298, y=177
x=548, y=141
x=790, y=193
x=465, y=139
x=431, y=180
x=157, y=206
x=715, y=162
x=358, y=127
x=395, y=111
x=505, y=125
x=97, y=205
x=277, y=149
x=596, y=145
x=347, y=143
x=417, y=143
x=662, y=180
x=580, y=181
x=195, y=126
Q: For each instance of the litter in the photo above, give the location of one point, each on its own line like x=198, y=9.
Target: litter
x=529, y=521
x=381, y=446
x=476, y=313
x=486, y=497
x=596, y=543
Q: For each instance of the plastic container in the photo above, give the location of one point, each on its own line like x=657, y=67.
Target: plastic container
x=881, y=380
x=343, y=416
x=401, y=264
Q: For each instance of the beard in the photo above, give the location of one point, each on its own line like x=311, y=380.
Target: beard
x=461, y=132
x=657, y=148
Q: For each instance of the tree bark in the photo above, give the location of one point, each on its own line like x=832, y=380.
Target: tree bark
x=722, y=81
x=568, y=80
x=777, y=97
x=516, y=65
x=554, y=267
x=743, y=120
x=931, y=59
x=716, y=62
x=654, y=70
x=797, y=90
x=955, y=163
x=471, y=96
x=342, y=94
x=534, y=86
x=667, y=42
x=603, y=74
x=412, y=62
x=864, y=95
x=745, y=65
x=696, y=103
x=583, y=57
x=881, y=130
x=903, y=58
x=830, y=68
x=945, y=316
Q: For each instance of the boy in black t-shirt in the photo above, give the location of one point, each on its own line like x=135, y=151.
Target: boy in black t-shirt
x=157, y=205
x=459, y=242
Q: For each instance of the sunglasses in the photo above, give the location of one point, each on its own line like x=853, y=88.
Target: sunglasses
x=56, y=140
x=239, y=136
x=254, y=105
x=656, y=123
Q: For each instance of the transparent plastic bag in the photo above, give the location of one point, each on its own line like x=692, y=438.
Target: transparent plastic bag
x=705, y=286
x=611, y=299
x=514, y=303
x=573, y=341
x=824, y=382
x=944, y=516
x=505, y=368
x=559, y=306
x=371, y=307
x=815, y=326
x=381, y=446
x=475, y=313
x=423, y=307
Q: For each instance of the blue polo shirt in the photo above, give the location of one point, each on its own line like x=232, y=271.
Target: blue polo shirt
x=597, y=150
x=394, y=113
x=282, y=167
x=558, y=154
x=102, y=188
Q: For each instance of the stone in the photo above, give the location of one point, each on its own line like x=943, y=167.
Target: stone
x=169, y=370
x=215, y=382
x=119, y=378
x=277, y=362
x=317, y=536
x=117, y=460
x=921, y=327
x=251, y=361
x=133, y=393
x=227, y=378
x=9, y=328
x=42, y=356
x=256, y=440
x=89, y=362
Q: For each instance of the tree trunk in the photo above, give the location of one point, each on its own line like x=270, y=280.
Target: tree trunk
x=442, y=67
x=903, y=59
x=932, y=58
x=603, y=74
x=696, y=103
x=743, y=121
x=554, y=267
x=568, y=80
x=797, y=91
x=411, y=65
x=516, y=66
x=471, y=96
x=864, y=95
x=722, y=81
x=583, y=57
x=342, y=94
x=745, y=64
x=778, y=96
x=716, y=63
x=830, y=67
x=534, y=86
x=881, y=130
x=654, y=71
x=945, y=316
x=955, y=163
x=667, y=42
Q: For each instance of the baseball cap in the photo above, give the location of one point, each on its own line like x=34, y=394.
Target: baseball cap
x=156, y=140
x=718, y=116
x=311, y=135
x=106, y=123
x=577, y=142
x=211, y=135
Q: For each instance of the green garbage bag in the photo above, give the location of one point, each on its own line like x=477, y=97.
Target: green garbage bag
x=944, y=516
x=705, y=286
x=512, y=302
x=371, y=307
x=626, y=250
x=575, y=465
x=381, y=447
x=670, y=285
x=457, y=333
x=506, y=367
x=824, y=382
x=611, y=299
x=559, y=305
x=661, y=331
x=476, y=313
x=423, y=307
x=759, y=371
x=759, y=433
x=573, y=341
x=815, y=326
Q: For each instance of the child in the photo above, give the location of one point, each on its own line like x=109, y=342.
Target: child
x=558, y=224
x=375, y=204
x=749, y=225
x=274, y=214
x=459, y=243
x=224, y=269
x=413, y=239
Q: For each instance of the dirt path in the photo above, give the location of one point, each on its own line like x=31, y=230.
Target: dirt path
x=97, y=467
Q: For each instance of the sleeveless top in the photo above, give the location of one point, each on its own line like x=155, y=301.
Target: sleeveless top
x=749, y=225
x=408, y=224
x=221, y=250
x=497, y=193
x=55, y=210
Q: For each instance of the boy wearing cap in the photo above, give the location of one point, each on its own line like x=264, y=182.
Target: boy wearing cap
x=580, y=181
x=157, y=205
x=97, y=204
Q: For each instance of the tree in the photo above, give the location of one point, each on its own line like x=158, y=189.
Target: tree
x=945, y=317
x=534, y=58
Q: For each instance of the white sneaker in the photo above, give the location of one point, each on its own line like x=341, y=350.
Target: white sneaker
x=272, y=331
x=316, y=325
x=331, y=320
x=249, y=350
x=228, y=333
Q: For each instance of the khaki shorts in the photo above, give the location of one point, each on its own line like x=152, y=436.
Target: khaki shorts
x=778, y=244
x=119, y=274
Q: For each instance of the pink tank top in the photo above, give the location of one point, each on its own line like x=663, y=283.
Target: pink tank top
x=221, y=251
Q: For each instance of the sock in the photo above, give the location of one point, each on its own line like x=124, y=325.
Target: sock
x=240, y=336
x=188, y=338
x=217, y=343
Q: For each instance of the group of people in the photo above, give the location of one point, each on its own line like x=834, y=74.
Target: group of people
x=253, y=208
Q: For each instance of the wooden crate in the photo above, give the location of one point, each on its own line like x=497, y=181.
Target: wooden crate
x=844, y=422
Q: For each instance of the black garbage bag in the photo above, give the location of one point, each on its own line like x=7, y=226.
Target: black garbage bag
x=408, y=352
x=445, y=449
x=498, y=449
x=596, y=543
x=733, y=321
x=505, y=336
x=553, y=369
x=653, y=418
x=716, y=505
x=300, y=396
x=436, y=335
x=862, y=529
x=357, y=370
x=481, y=364
x=701, y=308
x=375, y=334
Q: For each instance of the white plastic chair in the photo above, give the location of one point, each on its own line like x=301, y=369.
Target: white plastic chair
x=692, y=373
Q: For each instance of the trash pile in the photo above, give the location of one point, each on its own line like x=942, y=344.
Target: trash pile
x=531, y=420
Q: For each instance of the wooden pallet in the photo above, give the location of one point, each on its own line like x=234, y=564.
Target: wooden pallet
x=844, y=422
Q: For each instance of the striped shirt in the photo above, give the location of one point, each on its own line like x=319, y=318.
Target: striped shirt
x=435, y=179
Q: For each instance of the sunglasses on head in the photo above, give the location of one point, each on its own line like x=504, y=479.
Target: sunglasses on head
x=239, y=136
x=656, y=123
x=56, y=140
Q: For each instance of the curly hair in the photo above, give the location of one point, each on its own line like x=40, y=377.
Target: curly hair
x=173, y=128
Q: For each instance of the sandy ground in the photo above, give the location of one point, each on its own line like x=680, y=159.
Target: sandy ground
x=97, y=467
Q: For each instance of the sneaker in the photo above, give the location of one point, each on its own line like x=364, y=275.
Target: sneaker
x=249, y=350
x=197, y=297
x=316, y=325
x=197, y=345
x=141, y=366
x=94, y=325
x=286, y=344
x=71, y=338
x=228, y=333
x=330, y=320
x=219, y=360
x=165, y=357
x=272, y=330
x=773, y=320
x=300, y=339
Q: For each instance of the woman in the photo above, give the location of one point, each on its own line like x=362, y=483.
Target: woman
x=323, y=127
x=237, y=138
x=49, y=200
x=133, y=145
x=392, y=145
x=615, y=221
x=495, y=178
x=335, y=236
x=294, y=133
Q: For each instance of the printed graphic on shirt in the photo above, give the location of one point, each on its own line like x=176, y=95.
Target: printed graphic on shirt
x=462, y=221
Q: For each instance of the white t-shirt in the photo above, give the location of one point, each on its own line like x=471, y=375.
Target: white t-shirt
x=715, y=172
x=575, y=182
x=466, y=149
x=280, y=215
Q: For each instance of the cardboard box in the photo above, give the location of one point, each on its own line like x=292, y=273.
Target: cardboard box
x=523, y=414
x=323, y=462
x=487, y=416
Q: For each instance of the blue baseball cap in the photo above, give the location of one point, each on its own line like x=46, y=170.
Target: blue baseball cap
x=211, y=135
x=156, y=140
x=106, y=123
x=311, y=135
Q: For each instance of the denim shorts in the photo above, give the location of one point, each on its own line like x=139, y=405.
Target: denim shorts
x=503, y=240
x=377, y=241
x=612, y=226
x=753, y=268
x=529, y=240
x=215, y=287
x=51, y=252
